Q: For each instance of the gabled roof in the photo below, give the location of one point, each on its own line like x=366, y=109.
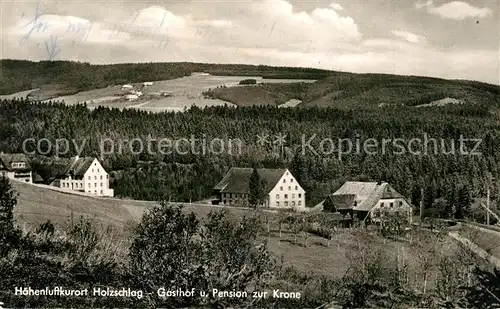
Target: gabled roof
x=78, y=166
x=367, y=194
x=341, y=201
x=37, y=178
x=237, y=179
x=7, y=160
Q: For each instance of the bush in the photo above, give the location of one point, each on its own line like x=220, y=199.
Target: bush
x=173, y=249
x=249, y=81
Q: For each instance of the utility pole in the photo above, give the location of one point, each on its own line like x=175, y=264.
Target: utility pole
x=488, y=205
x=421, y=204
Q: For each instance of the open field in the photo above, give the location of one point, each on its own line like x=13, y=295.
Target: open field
x=185, y=92
x=37, y=205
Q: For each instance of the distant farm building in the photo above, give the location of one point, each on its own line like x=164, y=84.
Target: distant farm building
x=85, y=175
x=280, y=187
x=145, y=84
x=16, y=166
x=368, y=201
x=127, y=87
x=131, y=97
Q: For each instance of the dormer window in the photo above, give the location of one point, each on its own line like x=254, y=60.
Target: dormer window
x=18, y=164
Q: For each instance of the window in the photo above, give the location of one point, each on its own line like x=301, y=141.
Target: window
x=277, y=196
x=391, y=205
x=95, y=191
x=400, y=203
x=89, y=177
x=277, y=204
x=92, y=170
x=101, y=191
x=284, y=180
x=300, y=202
x=355, y=203
x=101, y=184
x=286, y=203
x=289, y=188
x=101, y=177
x=287, y=173
x=300, y=194
x=95, y=185
x=293, y=203
x=293, y=195
x=224, y=202
x=90, y=185
x=107, y=176
x=98, y=170
x=281, y=188
x=230, y=195
x=296, y=187
x=286, y=195
x=291, y=179
x=382, y=205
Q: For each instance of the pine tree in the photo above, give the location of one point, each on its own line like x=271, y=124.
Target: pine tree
x=256, y=189
x=464, y=202
x=9, y=235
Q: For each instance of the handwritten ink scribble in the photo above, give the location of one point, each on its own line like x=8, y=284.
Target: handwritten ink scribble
x=80, y=27
x=272, y=29
x=164, y=43
x=52, y=47
x=119, y=28
x=152, y=32
x=35, y=23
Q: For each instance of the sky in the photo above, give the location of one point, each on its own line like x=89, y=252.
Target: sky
x=447, y=39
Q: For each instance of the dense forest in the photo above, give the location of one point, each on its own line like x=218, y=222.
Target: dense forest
x=445, y=177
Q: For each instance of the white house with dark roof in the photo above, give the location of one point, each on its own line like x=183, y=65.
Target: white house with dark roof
x=16, y=166
x=85, y=175
x=280, y=186
x=367, y=201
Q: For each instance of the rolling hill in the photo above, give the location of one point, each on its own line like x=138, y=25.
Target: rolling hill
x=69, y=77
x=332, y=89
x=351, y=91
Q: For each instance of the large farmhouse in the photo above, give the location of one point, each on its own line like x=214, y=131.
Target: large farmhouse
x=85, y=175
x=16, y=166
x=367, y=201
x=281, y=188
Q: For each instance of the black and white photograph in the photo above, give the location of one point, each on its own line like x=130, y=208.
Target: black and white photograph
x=268, y=154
